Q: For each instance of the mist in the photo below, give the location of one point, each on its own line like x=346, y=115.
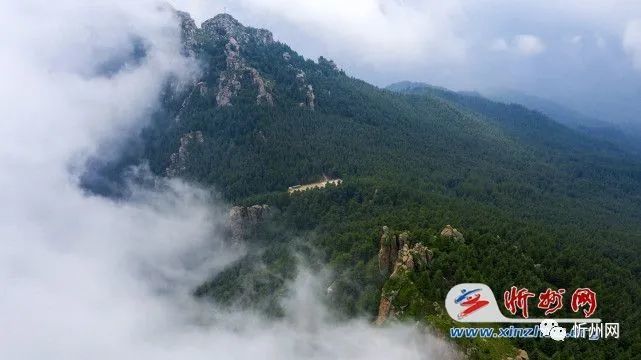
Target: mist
x=85, y=276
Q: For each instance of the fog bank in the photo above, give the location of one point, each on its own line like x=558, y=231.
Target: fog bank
x=89, y=277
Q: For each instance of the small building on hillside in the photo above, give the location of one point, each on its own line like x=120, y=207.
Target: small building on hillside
x=316, y=185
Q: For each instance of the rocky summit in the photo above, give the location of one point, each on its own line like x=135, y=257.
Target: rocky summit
x=225, y=33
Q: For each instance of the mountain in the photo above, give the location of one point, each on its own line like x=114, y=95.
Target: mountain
x=537, y=203
x=629, y=139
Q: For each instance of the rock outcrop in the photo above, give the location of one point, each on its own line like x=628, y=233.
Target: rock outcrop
x=188, y=30
x=224, y=26
x=310, y=97
x=385, y=308
x=411, y=259
x=229, y=82
x=178, y=160
x=396, y=254
x=243, y=220
x=327, y=63
x=520, y=355
x=230, y=36
x=384, y=252
x=450, y=232
x=306, y=89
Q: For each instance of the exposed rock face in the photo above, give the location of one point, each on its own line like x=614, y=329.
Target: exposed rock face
x=243, y=220
x=384, y=309
x=264, y=97
x=306, y=89
x=384, y=252
x=310, y=97
x=188, y=31
x=520, y=355
x=404, y=262
x=421, y=256
x=412, y=259
x=224, y=26
x=229, y=81
x=329, y=63
x=449, y=231
x=223, y=30
x=178, y=160
x=396, y=254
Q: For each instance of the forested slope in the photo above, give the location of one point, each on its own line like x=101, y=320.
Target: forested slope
x=539, y=203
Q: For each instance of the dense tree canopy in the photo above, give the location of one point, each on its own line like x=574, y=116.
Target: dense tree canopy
x=539, y=204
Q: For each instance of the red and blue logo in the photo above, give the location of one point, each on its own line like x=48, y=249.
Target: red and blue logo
x=471, y=301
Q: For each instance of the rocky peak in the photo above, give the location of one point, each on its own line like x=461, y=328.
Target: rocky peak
x=225, y=26
x=243, y=220
x=188, y=31
x=225, y=22
x=398, y=256
x=396, y=253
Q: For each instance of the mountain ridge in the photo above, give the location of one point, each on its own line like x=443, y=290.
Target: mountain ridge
x=516, y=183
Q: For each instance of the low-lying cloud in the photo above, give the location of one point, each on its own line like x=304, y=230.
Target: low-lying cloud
x=377, y=32
x=88, y=277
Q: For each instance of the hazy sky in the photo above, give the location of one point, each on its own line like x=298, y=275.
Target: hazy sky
x=583, y=53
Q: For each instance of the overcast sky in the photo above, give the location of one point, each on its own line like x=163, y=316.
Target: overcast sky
x=583, y=53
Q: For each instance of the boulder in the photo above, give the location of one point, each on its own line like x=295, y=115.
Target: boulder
x=450, y=232
x=521, y=355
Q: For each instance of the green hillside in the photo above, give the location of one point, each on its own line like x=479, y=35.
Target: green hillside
x=539, y=204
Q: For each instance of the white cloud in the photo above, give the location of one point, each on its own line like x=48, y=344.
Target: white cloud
x=525, y=45
x=632, y=42
x=528, y=45
x=377, y=32
x=87, y=277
